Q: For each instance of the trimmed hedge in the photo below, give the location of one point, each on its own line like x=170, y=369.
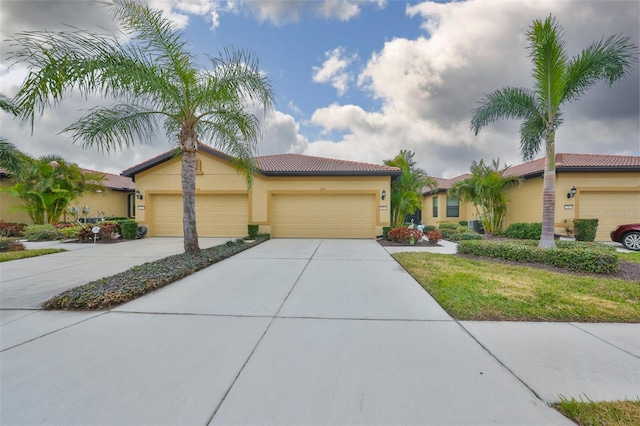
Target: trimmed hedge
x=129, y=229
x=252, y=230
x=41, y=233
x=585, y=229
x=574, y=256
x=385, y=232
x=466, y=236
x=142, y=279
x=524, y=231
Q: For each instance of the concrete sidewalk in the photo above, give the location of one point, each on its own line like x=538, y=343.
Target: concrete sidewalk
x=294, y=332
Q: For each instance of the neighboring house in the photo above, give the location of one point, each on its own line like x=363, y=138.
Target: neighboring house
x=117, y=200
x=292, y=196
x=607, y=188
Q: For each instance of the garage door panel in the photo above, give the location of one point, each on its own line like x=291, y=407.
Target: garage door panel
x=323, y=216
x=216, y=215
x=611, y=209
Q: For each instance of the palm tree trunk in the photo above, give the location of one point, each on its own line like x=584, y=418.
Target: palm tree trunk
x=188, y=143
x=549, y=194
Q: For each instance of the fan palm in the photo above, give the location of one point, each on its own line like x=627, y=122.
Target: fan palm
x=557, y=80
x=156, y=82
x=406, y=189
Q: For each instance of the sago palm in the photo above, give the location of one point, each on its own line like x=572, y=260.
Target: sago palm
x=558, y=79
x=156, y=82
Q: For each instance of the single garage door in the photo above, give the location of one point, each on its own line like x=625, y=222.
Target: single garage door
x=611, y=209
x=323, y=216
x=216, y=215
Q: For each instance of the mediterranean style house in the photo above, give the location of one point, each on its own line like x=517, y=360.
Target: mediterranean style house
x=293, y=196
x=603, y=187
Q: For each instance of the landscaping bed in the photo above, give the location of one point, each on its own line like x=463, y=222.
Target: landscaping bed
x=139, y=280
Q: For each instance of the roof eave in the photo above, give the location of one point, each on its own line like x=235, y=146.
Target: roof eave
x=392, y=174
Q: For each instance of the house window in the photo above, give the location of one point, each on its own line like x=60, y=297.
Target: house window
x=453, y=207
x=435, y=206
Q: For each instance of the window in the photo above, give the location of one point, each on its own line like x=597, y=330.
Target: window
x=453, y=207
x=435, y=206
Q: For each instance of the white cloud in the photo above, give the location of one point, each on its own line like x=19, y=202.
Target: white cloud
x=334, y=70
x=340, y=9
x=280, y=134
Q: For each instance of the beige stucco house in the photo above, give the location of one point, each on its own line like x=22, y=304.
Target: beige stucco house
x=116, y=200
x=607, y=188
x=292, y=196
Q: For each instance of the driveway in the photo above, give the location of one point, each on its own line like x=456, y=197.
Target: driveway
x=289, y=332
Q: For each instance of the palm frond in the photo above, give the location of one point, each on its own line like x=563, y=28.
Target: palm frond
x=606, y=60
x=117, y=126
x=509, y=103
x=532, y=133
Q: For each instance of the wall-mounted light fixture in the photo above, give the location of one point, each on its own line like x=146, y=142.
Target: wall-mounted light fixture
x=384, y=194
x=138, y=194
x=572, y=192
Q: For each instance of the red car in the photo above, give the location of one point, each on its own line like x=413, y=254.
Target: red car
x=628, y=235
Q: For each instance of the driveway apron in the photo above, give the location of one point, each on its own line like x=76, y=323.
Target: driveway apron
x=289, y=332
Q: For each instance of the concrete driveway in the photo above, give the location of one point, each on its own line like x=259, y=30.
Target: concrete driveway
x=289, y=332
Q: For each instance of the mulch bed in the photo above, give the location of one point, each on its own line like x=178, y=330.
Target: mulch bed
x=628, y=271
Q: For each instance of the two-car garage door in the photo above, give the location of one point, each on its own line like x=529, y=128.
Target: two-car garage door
x=218, y=215
x=323, y=216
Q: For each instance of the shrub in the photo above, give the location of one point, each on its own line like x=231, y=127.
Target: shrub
x=434, y=236
x=448, y=226
x=524, y=231
x=253, y=231
x=427, y=228
x=41, y=233
x=585, y=229
x=463, y=223
x=466, y=236
x=385, y=232
x=449, y=229
x=71, y=233
x=128, y=229
x=399, y=235
x=416, y=234
x=109, y=230
x=9, y=229
x=10, y=244
x=582, y=257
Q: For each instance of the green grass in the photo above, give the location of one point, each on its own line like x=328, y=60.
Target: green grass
x=482, y=290
x=614, y=413
x=23, y=254
x=630, y=257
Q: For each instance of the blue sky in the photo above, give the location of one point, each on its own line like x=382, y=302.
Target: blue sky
x=361, y=80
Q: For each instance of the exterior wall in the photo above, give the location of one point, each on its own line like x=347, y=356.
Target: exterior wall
x=466, y=210
x=216, y=176
x=108, y=202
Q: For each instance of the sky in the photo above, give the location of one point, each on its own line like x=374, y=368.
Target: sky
x=361, y=80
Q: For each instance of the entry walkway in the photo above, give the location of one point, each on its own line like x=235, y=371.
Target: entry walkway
x=294, y=332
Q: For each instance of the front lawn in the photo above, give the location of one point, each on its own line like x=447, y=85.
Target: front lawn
x=23, y=254
x=486, y=290
x=614, y=413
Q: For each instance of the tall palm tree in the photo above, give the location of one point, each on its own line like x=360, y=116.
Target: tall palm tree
x=557, y=80
x=10, y=158
x=156, y=82
x=486, y=190
x=406, y=190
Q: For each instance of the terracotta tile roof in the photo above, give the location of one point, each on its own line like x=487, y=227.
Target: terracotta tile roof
x=116, y=181
x=286, y=165
x=444, y=184
x=578, y=162
x=110, y=180
x=296, y=164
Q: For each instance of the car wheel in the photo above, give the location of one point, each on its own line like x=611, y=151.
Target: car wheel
x=631, y=241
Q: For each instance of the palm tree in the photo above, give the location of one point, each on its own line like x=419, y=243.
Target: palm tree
x=485, y=189
x=48, y=185
x=406, y=190
x=156, y=81
x=9, y=155
x=557, y=80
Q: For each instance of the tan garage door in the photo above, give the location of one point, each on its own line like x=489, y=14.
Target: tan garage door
x=323, y=216
x=611, y=209
x=216, y=215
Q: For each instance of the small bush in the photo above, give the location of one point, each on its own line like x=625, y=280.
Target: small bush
x=399, y=235
x=448, y=226
x=582, y=257
x=109, y=230
x=9, y=229
x=128, y=229
x=71, y=233
x=466, y=236
x=253, y=231
x=434, y=236
x=463, y=223
x=585, y=229
x=524, y=231
x=385, y=232
x=427, y=228
x=448, y=229
x=10, y=244
x=41, y=233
